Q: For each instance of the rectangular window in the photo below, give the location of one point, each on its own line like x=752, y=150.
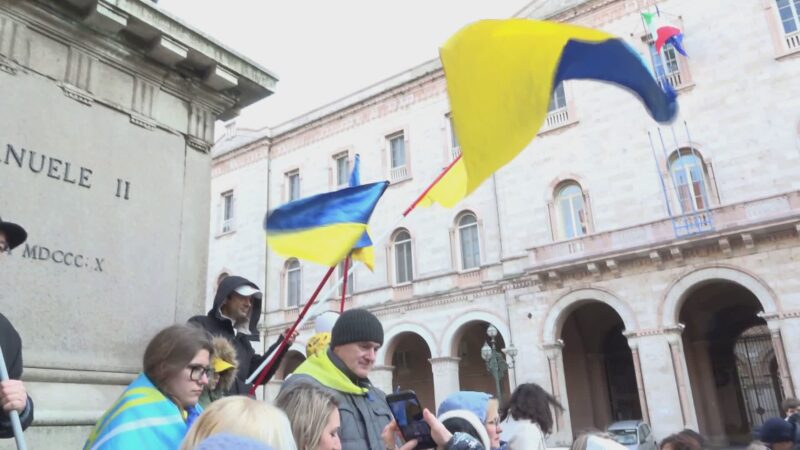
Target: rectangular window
x=559, y=100
x=227, y=212
x=293, y=286
x=342, y=169
x=470, y=247
x=397, y=150
x=455, y=148
x=403, y=262
x=293, y=185
x=350, y=277
x=666, y=65
x=789, y=11
x=397, y=157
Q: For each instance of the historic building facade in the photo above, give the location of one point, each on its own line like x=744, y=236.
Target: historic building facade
x=641, y=271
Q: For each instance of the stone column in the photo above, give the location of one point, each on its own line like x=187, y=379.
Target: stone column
x=637, y=368
x=709, y=402
x=445, y=377
x=666, y=389
x=598, y=380
x=774, y=324
x=381, y=377
x=555, y=360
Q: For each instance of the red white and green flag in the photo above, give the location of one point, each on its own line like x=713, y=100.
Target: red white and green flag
x=663, y=33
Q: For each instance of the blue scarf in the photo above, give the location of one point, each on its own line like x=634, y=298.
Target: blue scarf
x=142, y=418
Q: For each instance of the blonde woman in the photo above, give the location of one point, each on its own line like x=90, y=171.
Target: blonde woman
x=242, y=416
x=314, y=415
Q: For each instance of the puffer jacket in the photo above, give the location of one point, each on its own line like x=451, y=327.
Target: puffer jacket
x=363, y=410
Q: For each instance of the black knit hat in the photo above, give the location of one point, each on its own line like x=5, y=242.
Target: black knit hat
x=356, y=325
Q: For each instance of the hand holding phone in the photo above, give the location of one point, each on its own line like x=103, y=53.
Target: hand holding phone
x=407, y=412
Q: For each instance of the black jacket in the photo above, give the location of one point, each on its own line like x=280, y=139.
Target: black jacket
x=214, y=323
x=11, y=344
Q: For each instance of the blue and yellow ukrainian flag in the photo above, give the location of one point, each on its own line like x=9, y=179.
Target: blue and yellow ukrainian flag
x=323, y=228
x=141, y=418
x=500, y=78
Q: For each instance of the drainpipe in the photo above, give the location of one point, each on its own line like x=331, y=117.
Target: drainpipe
x=265, y=310
x=512, y=386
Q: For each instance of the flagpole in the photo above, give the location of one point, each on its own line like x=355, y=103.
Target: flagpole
x=344, y=284
x=19, y=437
x=428, y=189
x=267, y=364
x=285, y=342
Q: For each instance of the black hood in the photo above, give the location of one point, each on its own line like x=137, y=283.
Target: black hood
x=228, y=285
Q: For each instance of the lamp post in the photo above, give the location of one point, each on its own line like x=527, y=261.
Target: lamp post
x=496, y=362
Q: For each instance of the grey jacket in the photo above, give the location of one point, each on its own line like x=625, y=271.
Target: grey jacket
x=363, y=417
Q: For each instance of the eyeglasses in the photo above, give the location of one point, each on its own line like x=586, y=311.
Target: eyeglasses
x=196, y=371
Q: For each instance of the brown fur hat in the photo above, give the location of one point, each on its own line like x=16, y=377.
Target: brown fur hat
x=225, y=351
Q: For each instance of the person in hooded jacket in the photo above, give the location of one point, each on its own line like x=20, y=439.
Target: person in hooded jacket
x=13, y=395
x=234, y=316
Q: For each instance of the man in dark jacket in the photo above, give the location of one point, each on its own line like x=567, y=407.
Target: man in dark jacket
x=343, y=370
x=234, y=316
x=13, y=396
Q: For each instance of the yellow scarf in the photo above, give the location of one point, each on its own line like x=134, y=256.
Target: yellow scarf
x=320, y=367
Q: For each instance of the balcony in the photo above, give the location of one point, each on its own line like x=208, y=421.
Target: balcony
x=750, y=216
x=556, y=118
x=399, y=173
x=793, y=41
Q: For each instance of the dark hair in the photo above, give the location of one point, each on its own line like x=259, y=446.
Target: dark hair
x=171, y=350
x=790, y=403
x=694, y=435
x=680, y=441
x=530, y=401
x=459, y=425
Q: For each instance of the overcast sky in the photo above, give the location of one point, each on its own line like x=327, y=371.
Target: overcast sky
x=323, y=50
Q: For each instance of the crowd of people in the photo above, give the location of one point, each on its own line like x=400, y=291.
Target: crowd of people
x=192, y=393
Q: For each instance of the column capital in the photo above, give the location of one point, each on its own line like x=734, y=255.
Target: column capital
x=445, y=360
x=553, y=349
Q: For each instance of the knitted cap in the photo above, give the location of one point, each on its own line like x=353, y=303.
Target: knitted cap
x=776, y=430
x=356, y=325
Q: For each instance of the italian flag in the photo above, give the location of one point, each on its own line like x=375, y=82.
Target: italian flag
x=663, y=33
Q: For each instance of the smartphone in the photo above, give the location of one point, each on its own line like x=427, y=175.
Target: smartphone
x=407, y=412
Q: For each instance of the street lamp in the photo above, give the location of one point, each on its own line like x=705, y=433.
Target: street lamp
x=496, y=362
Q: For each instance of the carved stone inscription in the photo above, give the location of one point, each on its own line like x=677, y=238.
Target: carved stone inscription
x=57, y=169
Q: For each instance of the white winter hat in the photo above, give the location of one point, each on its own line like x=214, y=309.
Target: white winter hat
x=325, y=321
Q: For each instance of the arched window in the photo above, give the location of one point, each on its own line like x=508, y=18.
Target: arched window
x=292, y=282
x=403, y=266
x=688, y=173
x=571, y=211
x=469, y=242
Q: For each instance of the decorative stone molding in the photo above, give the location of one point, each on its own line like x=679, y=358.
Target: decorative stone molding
x=749, y=243
x=594, y=270
x=14, y=45
x=613, y=267
x=655, y=258
x=106, y=17
x=77, y=83
x=676, y=254
x=725, y=246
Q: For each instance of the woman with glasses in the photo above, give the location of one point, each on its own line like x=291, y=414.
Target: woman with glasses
x=157, y=409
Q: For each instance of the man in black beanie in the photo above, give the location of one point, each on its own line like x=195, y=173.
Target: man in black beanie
x=344, y=370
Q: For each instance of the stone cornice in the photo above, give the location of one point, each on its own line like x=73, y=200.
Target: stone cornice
x=339, y=116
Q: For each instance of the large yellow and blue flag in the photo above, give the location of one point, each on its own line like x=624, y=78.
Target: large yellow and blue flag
x=500, y=78
x=363, y=250
x=323, y=228
x=142, y=417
